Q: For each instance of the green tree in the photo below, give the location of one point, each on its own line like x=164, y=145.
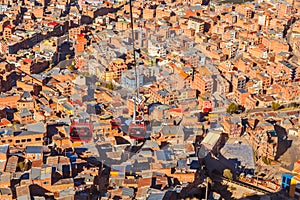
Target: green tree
x=227, y=174
x=232, y=108
x=109, y=86
x=267, y=161
x=23, y=165
x=294, y=105
x=275, y=106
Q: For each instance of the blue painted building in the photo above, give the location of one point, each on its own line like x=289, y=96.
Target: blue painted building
x=128, y=80
x=286, y=182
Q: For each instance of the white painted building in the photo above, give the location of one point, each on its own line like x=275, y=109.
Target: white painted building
x=157, y=49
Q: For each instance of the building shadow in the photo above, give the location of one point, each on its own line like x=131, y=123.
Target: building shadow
x=214, y=168
x=283, y=143
x=36, y=190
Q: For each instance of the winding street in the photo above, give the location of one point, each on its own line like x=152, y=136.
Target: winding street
x=288, y=38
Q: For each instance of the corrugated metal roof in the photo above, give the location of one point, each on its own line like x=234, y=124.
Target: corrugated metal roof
x=172, y=130
x=128, y=192
x=11, y=165
x=35, y=174
x=34, y=149
x=36, y=127
x=164, y=155
x=181, y=163
x=4, y=177
x=4, y=149
x=23, y=192
x=38, y=198
x=25, y=112
x=211, y=139
x=117, y=171
x=2, y=165
x=5, y=191
x=156, y=196
x=150, y=144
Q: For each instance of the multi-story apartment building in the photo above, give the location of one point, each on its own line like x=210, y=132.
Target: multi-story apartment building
x=203, y=83
x=291, y=70
x=156, y=48
x=238, y=81
x=160, y=94
x=128, y=80
x=197, y=24
x=114, y=70
x=32, y=136
x=264, y=140
x=148, y=13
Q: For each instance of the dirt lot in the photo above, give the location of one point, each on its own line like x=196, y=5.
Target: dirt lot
x=292, y=154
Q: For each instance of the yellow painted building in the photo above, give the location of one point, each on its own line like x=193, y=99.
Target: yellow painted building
x=294, y=190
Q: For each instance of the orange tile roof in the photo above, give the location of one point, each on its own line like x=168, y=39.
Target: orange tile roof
x=172, y=65
x=297, y=169
x=178, y=110
x=27, y=60
x=297, y=177
x=144, y=182
x=183, y=74
x=4, y=122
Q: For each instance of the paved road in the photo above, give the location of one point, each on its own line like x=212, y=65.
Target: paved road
x=259, y=110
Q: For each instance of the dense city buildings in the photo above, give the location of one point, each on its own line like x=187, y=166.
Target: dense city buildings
x=149, y=99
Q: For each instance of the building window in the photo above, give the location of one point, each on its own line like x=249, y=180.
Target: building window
x=9, y=140
x=38, y=139
x=29, y=140
x=17, y=141
x=23, y=140
x=3, y=141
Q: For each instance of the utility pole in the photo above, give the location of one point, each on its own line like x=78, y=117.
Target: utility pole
x=206, y=191
x=134, y=60
x=257, y=179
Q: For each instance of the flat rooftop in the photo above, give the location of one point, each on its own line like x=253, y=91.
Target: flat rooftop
x=243, y=153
